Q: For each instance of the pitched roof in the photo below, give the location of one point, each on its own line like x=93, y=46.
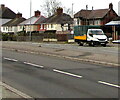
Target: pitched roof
x=14, y=22
x=33, y=20
x=6, y=13
x=82, y=13
x=98, y=13
x=60, y=19
x=90, y=14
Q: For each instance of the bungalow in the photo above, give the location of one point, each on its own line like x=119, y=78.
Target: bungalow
x=6, y=15
x=95, y=17
x=59, y=22
x=32, y=24
x=11, y=26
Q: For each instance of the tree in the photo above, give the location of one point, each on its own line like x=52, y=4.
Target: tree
x=68, y=11
x=50, y=6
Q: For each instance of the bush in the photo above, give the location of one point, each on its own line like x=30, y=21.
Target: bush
x=5, y=36
x=9, y=37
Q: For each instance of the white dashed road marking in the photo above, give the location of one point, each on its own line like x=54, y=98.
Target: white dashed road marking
x=109, y=84
x=10, y=59
x=33, y=64
x=62, y=72
x=70, y=74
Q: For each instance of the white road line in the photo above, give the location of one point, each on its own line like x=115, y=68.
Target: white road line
x=16, y=91
x=113, y=85
x=70, y=74
x=33, y=64
x=10, y=59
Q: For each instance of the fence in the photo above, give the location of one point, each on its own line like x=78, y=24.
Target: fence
x=39, y=38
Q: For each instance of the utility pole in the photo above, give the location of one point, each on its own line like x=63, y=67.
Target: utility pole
x=86, y=13
x=30, y=35
x=93, y=15
x=72, y=10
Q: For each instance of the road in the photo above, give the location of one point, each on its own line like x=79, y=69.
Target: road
x=43, y=76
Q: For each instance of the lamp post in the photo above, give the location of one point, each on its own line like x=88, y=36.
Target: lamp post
x=30, y=35
x=72, y=10
x=86, y=13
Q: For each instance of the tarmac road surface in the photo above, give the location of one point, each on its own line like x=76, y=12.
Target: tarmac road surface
x=42, y=76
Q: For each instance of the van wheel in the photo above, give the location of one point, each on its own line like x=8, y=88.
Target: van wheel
x=104, y=45
x=80, y=44
x=92, y=44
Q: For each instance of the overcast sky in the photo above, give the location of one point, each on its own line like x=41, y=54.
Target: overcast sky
x=23, y=6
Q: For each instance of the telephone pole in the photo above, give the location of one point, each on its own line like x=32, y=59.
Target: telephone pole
x=72, y=10
x=30, y=35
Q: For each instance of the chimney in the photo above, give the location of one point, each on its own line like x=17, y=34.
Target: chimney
x=59, y=11
x=2, y=6
x=37, y=13
x=86, y=7
x=110, y=6
x=18, y=15
x=92, y=8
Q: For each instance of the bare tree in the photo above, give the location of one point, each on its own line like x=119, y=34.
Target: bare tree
x=49, y=7
x=68, y=11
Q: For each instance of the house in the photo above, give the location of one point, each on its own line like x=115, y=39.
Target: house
x=115, y=24
x=59, y=22
x=6, y=15
x=32, y=24
x=11, y=26
x=95, y=17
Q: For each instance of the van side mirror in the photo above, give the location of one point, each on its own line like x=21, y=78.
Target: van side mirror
x=91, y=34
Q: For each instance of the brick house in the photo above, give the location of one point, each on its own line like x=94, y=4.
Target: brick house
x=11, y=26
x=59, y=23
x=33, y=24
x=95, y=17
x=6, y=15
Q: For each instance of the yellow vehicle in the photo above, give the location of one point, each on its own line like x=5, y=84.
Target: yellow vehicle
x=91, y=35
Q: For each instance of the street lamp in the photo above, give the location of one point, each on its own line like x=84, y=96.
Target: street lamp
x=30, y=20
x=72, y=10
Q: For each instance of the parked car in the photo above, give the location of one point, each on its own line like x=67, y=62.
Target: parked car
x=116, y=41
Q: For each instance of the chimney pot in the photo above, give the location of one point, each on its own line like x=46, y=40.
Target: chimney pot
x=2, y=5
x=59, y=11
x=37, y=13
x=18, y=15
x=110, y=6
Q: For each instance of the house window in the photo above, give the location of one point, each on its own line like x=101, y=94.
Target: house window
x=20, y=27
x=97, y=22
x=4, y=28
x=78, y=21
x=51, y=25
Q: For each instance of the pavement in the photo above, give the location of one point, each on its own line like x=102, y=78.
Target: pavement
x=39, y=48
x=7, y=93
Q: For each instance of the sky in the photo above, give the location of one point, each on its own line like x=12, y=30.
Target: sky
x=23, y=6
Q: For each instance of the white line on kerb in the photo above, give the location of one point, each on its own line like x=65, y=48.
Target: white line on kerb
x=10, y=59
x=16, y=91
x=117, y=86
x=70, y=74
x=33, y=64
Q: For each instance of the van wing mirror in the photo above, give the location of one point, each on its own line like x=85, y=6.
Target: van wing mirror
x=91, y=34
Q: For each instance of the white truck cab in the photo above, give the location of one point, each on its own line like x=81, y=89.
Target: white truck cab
x=96, y=36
